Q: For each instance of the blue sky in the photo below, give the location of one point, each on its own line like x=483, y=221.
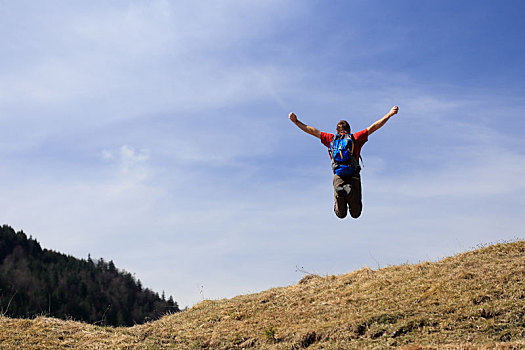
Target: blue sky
x=156, y=134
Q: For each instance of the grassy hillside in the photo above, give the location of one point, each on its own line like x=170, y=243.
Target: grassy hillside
x=470, y=301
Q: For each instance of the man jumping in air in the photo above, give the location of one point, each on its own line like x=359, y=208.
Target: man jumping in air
x=344, y=149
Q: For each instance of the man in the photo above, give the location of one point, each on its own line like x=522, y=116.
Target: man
x=347, y=181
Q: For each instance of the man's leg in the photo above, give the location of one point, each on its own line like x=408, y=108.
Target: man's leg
x=355, y=198
x=340, y=205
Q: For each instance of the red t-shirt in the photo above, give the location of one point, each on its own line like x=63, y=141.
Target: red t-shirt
x=360, y=138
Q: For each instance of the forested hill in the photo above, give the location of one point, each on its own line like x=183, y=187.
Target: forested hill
x=36, y=281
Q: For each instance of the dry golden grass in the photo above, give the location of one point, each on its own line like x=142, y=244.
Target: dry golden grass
x=474, y=300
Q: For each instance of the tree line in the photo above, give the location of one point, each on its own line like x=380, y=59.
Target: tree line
x=36, y=281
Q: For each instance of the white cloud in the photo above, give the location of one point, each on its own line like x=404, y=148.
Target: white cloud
x=127, y=157
x=71, y=214
x=110, y=42
x=488, y=171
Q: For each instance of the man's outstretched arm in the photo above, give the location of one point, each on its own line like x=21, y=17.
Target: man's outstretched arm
x=306, y=128
x=383, y=120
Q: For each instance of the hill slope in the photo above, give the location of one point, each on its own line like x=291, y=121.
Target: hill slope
x=473, y=300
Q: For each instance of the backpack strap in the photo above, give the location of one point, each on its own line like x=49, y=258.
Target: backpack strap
x=353, y=144
x=330, y=149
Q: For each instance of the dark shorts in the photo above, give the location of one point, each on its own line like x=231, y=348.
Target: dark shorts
x=352, y=201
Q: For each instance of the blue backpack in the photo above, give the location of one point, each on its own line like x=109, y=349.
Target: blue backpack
x=344, y=161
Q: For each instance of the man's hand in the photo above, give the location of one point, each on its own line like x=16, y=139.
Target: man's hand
x=393, y=110
x=293, y=118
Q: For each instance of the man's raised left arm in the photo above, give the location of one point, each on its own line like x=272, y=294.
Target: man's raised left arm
x=378, y=124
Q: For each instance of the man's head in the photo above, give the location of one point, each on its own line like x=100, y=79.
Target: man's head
x=343, y=127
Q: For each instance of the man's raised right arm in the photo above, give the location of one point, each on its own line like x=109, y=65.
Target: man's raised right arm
x=306, y=128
